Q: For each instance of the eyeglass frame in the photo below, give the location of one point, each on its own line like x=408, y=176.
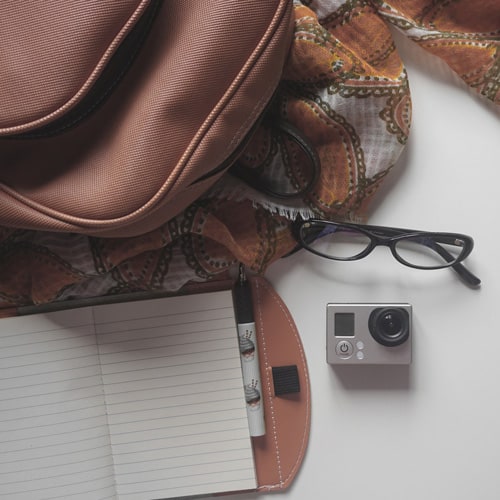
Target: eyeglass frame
x=389, y=237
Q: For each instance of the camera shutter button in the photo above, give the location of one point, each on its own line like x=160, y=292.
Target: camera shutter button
x=344, y=349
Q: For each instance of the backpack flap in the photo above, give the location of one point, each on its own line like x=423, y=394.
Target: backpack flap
x=120, y=114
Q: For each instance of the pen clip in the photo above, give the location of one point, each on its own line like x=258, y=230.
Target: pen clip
x=241, y=274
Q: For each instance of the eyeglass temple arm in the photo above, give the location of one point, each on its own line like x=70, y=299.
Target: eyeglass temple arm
x=459, y=268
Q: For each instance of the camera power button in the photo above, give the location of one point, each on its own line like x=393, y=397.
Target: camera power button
x=344, y=349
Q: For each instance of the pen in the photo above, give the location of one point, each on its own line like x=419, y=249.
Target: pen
x=249, y=354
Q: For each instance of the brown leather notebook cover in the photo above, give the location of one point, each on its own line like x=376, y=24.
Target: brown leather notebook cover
x=279, y=453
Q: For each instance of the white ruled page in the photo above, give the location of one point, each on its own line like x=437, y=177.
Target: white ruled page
x=54, y=441
x=174, y=395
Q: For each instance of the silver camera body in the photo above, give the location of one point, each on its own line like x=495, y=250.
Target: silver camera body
x=368, y=334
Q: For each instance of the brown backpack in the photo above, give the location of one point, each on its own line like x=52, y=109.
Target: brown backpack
x=117, y=115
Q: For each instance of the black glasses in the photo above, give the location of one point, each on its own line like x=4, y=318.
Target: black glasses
x=417, y=249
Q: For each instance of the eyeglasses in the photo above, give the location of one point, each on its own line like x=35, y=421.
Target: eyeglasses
x=417, y=249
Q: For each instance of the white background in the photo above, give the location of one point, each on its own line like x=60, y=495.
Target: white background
x=431, y=431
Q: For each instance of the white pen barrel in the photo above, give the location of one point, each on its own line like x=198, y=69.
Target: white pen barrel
x=251, y=378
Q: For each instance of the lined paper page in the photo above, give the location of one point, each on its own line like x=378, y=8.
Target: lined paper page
x=54, y=440
x=174, y=395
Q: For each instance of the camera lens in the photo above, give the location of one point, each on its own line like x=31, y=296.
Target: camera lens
x=390, y=323
x=389, y=326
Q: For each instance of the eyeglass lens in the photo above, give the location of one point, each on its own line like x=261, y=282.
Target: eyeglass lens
x=428, y=252
x=335, y=242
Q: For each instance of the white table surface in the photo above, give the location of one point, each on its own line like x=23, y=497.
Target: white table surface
x=431, y=431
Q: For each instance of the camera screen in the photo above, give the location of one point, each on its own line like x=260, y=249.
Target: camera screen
x=344, y=324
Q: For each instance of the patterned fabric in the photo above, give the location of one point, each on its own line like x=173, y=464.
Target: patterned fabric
x=345, y=88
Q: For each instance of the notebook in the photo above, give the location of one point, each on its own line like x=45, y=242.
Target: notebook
x=136, y=400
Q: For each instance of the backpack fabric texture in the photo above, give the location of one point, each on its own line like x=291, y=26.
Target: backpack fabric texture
x=115, y=116
x=343, y=85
